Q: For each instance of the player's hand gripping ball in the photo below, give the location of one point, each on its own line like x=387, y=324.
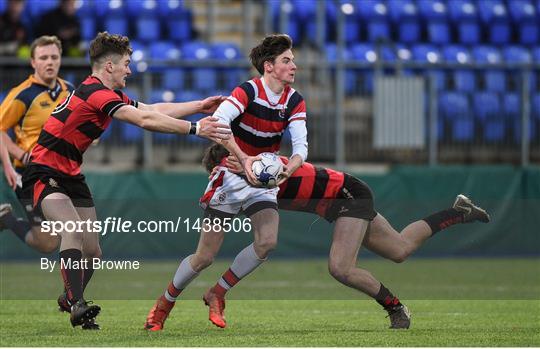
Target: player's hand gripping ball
x=267, y=169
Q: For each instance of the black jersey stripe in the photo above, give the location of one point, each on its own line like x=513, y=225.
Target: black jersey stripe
x=90, y=130
x=319, y=188
x=265, y=113
x=59, y=146
x=293, y=102
x=249, y=90
x=293, y=185
x=85, y=91
x=62, y=115
x=112, y=106
x=253, y=140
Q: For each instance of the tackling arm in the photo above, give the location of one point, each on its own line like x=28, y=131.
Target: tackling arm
x=180, y=110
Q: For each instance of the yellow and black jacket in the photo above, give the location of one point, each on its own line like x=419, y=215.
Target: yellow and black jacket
x=27, y=107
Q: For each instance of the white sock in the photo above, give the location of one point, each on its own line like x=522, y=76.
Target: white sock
x=183, y=276
x=244, y=263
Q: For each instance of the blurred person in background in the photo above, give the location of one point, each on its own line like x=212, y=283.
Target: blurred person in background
x=63, y=22
x=12, y=31
x=25, y=110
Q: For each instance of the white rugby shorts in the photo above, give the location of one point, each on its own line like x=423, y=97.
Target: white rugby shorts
x=229, y=193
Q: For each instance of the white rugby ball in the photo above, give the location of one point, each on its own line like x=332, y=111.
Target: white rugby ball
x=267, y=169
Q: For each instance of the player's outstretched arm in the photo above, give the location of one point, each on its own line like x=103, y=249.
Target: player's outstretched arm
x=9, y=172
x=155, y=121
x=180, y=110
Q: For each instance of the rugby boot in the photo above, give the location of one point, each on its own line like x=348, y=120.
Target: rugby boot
x=158, y=314
x=63, y=303
x=90, y=324
x=216, y=305
x=400, y=317
x=471, y=212
x=83, y=311
x=4, y=210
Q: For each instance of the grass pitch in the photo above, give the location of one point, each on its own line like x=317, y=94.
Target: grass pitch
x=454, y=302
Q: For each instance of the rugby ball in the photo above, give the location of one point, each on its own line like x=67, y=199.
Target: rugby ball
x=267, y=169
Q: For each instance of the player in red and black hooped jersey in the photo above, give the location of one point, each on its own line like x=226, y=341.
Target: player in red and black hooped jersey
x=340, y=197
x=53, y=179
x=259, y=123
x=258, y=111
x=76, y=123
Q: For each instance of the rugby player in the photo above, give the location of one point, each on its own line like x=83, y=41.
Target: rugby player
x=259, y=111
x=53, y=178
x=346, y=200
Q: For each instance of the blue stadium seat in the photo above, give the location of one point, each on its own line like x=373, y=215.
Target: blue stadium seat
x=511, y=105
x=525, y=20
x=464, y=80
x=172, y=78
x=486, y=105
x=487, y=110
x=365, y=53
x=170, y=8
x=494, y=80
x=116, y=23
x=186, y=96
x=536, y=53
x=494, y=15
x=375, y=14
x=350, y=74
x=435, y=14
x=293, y=23
x=455, y=111
x=405, y=18
x=139, y=51
x=203, y=79
x=179, y=26
x=425, y=53
x=518, y=54
x=535, y=107
x=231, y=77
x=105, y=8
x=464, y=16
x=159, y=96
x=88, y=28
x=37, y=8
x=147, y=28
x=131, y=133
x=148, y=8
x=85, y=9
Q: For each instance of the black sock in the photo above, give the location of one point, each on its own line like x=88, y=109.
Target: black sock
x=18, y=226
x=443, y=219
x=386, y=298
x=87, y=274
x=71, y=273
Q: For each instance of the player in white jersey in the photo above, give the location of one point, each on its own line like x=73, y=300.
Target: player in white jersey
x=258, y=111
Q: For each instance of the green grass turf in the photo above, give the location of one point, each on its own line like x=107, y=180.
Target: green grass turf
x=455, y=302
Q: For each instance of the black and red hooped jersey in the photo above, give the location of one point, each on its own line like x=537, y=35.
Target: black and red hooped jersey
x=75, y=124
x=261, y=124
x=310, y=189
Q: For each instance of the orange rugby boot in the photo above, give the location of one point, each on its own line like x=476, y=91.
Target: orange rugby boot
x=216, y=305
x=158, y=314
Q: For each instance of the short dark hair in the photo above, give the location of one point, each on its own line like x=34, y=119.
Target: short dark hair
x=213, y=156
x=270, y=47
x=45, y=40
x=106, y=44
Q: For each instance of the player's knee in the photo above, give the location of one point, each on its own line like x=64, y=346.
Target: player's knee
x=202, y=261
x=93, y=253
x=339, y=271
x=265, y=245
x=400, y=256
